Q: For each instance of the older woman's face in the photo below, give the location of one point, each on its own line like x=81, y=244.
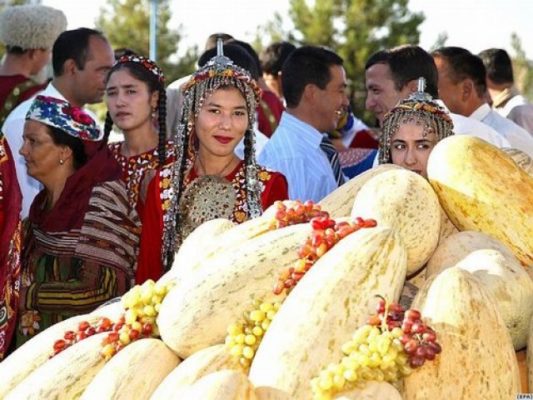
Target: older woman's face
x=411, y=149
x=40, y=152
x=222, y=122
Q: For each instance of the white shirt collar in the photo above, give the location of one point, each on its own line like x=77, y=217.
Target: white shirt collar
x=481, y=112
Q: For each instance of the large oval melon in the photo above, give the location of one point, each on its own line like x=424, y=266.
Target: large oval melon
x=406, y=202
x=478, y=359
x=482, y=189
x=324, y=309
x=339, y=203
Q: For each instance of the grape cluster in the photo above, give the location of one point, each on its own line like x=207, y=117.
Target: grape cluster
x=84, y=330
x=142, y=304
x=297, y=213
x=380, y=350
x=244, y=336
x=326, y=233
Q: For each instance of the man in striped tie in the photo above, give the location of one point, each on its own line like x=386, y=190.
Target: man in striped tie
x=314, y=86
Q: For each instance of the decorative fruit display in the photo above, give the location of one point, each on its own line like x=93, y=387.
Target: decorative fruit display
x=387, y=348
x=197, y=313
x=477, y=359
x=141, y=304
x=38, y=349
x=64, y=376
x=325, y=307
x=245, y=335
x=339, y=203
x=482, y=189
x=404, y=201
x=326, y=234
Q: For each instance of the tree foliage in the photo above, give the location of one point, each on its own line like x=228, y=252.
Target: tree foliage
x=126, y=23
x=522, y=68
x=355, y=29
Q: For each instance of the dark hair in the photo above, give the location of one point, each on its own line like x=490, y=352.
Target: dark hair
x=73, y=45
x=61, y=138
x=498, y=65
x=305, y=65
x=407, y=63
x=273, y=57
x=154, y=85
x=211, y=41
x=462, y=65
x=235, y=53
x=17, y=50
x=123, y=51
x=256, y=72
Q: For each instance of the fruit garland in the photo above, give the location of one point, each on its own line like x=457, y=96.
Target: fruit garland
x=387, y=348
x=245, y=335
x=141, y=304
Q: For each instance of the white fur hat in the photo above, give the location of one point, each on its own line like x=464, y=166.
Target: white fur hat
x=31, y=26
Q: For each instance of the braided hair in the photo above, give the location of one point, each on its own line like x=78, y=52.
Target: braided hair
x=418, y=108
x=218, y=73
x=148, y=72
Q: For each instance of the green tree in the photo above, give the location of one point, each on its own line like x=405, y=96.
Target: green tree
x=127, y=25
x=355, y=29
x=522, y=68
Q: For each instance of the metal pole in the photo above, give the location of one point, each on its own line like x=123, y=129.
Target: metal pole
x=153, y=29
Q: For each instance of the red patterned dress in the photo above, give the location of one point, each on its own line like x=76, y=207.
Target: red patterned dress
x=10, y=245
x=138, y=173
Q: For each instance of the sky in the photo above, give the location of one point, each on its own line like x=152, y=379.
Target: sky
x=472, y=24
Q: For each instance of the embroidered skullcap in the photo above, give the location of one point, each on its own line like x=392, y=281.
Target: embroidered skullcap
x=31, y=26
x=418, y=108
x=62, y=115
x=146, y=63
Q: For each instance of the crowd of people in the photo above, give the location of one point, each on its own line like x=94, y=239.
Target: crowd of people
x=82, y=219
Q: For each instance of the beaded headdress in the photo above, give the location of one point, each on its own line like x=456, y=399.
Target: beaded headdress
x=145, y=63
x=219, y=72
x=62, y=115
x=418, y=108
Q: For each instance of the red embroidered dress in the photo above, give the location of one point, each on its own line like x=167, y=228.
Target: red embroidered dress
x=273, y=188
x=10, y=204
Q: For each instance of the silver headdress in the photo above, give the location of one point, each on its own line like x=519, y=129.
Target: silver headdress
x=418, y=108
x=218, y=73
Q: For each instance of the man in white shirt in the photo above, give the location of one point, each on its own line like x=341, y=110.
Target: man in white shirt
x=506, y=100
x=314, y=86
x=81, y=59
x=392, y=75
x=463, y=89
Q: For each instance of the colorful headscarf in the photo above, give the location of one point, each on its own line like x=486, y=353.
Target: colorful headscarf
x=62, y=115
x=418, y=108
x=146, y=63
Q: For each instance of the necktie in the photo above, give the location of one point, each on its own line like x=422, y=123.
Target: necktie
x=333, y=156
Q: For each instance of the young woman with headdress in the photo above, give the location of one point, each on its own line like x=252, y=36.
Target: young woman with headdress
x=136, y=104
x=82, y=236
x=208, y=180
x=10, y=236
x=411, y=130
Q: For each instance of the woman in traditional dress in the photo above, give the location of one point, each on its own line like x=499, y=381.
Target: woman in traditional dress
x=209, y=181
x=136, y=102
x=412, y=129
x=82, y=236
x=10, y=206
